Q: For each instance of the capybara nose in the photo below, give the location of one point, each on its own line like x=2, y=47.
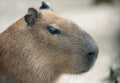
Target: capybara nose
x=91, y=48
x=92, y=53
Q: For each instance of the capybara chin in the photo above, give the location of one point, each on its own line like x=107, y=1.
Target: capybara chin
x=41, y=46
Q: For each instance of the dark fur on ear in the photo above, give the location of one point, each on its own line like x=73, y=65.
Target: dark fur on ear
x=31, y=16
x=45, y=6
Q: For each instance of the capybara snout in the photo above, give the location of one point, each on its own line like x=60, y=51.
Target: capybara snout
x=91, y=50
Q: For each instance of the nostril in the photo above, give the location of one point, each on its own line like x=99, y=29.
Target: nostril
x=91, y=55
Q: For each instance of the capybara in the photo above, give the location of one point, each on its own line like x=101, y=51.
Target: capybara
x=41, y=46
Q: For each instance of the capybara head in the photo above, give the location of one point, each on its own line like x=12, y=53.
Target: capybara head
x=48, y=42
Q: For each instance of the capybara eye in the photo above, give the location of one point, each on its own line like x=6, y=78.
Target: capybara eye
x=53, y=30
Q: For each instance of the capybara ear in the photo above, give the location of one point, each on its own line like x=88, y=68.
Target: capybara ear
x=31, y=16
x=45, y=5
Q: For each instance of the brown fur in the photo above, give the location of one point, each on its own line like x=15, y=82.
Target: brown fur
x=33, y=55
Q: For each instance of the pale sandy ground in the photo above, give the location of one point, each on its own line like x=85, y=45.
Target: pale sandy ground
x=101, y=22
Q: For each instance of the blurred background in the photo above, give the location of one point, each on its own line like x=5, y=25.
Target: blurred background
x=100, y=18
